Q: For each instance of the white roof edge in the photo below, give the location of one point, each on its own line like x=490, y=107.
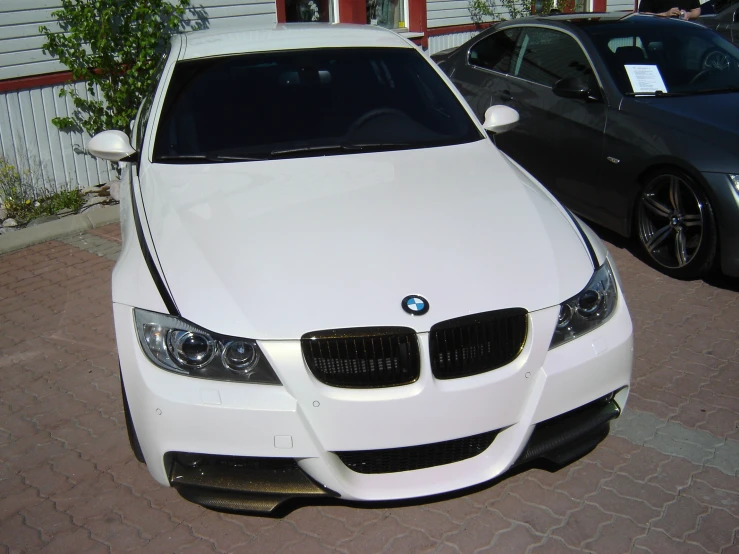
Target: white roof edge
x=286, y=36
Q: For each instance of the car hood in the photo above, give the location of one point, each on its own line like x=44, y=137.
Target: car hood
x=275, y=249
x=708, y=117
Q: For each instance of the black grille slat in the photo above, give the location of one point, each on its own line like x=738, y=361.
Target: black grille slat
x=410, y=458
x=477, y=343
x=363, y=357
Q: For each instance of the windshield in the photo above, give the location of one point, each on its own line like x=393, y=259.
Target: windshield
x=654, y=57
x=307, y=103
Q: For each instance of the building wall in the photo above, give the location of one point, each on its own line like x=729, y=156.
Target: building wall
x=442, y=42
x=443, y=13
x=620, y=5
x=30, y=141
x=27, y=137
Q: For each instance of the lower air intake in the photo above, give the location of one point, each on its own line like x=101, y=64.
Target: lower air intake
x=409, y=458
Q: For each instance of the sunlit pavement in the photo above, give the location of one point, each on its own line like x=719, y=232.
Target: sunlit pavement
x=664, y=481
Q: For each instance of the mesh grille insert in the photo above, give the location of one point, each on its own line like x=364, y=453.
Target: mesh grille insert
x=370, y=357
x=477, y=343
x=409, y=458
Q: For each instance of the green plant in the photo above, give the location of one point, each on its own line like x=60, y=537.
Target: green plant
x=114, y=46
x=24, y=199
x=481, y=10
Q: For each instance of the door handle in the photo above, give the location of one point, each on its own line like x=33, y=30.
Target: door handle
x=505, y=95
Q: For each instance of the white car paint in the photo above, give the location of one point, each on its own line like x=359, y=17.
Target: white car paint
x=274, y=249
x=338, y=241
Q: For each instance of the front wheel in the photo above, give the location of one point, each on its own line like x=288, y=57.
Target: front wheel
x=675, y=224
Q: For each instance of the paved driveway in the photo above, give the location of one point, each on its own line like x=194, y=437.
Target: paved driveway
x=664, y=481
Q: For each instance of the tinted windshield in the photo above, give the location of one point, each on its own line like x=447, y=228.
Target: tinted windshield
x=671, y=56
x=308, y=102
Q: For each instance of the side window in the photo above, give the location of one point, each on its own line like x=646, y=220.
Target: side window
x=545, y=56
x=142, y=118
x=495, y=52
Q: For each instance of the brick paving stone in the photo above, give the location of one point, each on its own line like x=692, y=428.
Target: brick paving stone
x=271, y=540
x=513, y=508
x=47, y=520
x=73, y=543
x=433, y=524
x=681, y=517
x=657, y=542
x=643, y=464
x=200, y=547
x=224, y=534
x=673, y=475
x=707, y=495
x=479, y=532
x=23, y=538
x=332, y=533
x=512, y=541
x=582, y=525
x=716, y=530
x=110, y=530
x=583, y=480
x=458, y=510
x=616, y=536
x=553, y=546
x=171, y=541
x=625, y=485
x=636, y=510
x=557, y=503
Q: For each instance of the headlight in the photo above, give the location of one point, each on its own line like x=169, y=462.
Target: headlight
x=182, y=347
x=589, y=309
x=735, y=181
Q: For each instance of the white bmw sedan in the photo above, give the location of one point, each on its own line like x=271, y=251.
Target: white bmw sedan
x=332, y=284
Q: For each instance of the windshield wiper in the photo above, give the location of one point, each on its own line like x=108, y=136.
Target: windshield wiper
x=340, y=148
x=717, y=90
x=207, y=158
x=657, y=93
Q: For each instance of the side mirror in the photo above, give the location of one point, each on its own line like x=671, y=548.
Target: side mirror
x=110, y=145
x=572, y=87
x=499, y=119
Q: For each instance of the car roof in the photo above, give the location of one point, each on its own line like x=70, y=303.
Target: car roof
x=285, y=36
x=591, y=22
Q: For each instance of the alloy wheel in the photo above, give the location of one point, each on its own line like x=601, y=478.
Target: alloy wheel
x=671, y=221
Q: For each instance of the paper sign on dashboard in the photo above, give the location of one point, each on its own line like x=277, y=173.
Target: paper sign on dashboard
x=645, y=78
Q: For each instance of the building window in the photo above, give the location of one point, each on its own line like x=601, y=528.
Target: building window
x=386, y=13
x=297, y=11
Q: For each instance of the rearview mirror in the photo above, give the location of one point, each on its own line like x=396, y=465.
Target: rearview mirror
x=110, y=145
x=499, y=119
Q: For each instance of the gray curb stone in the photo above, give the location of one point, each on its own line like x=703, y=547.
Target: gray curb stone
x=66, y=226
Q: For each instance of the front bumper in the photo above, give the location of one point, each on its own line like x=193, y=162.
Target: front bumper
x=309, y=422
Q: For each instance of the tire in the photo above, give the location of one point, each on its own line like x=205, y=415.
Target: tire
x=676, y=225
x=133, y=440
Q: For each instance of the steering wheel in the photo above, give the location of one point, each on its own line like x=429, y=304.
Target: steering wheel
x=363, y=119
x=716, y=59
x=700, y=74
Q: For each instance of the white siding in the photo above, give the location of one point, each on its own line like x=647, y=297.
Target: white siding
x=30, y=141
x=21, y=42
x=443, y=42
x=442, y=13
x=619, y=5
